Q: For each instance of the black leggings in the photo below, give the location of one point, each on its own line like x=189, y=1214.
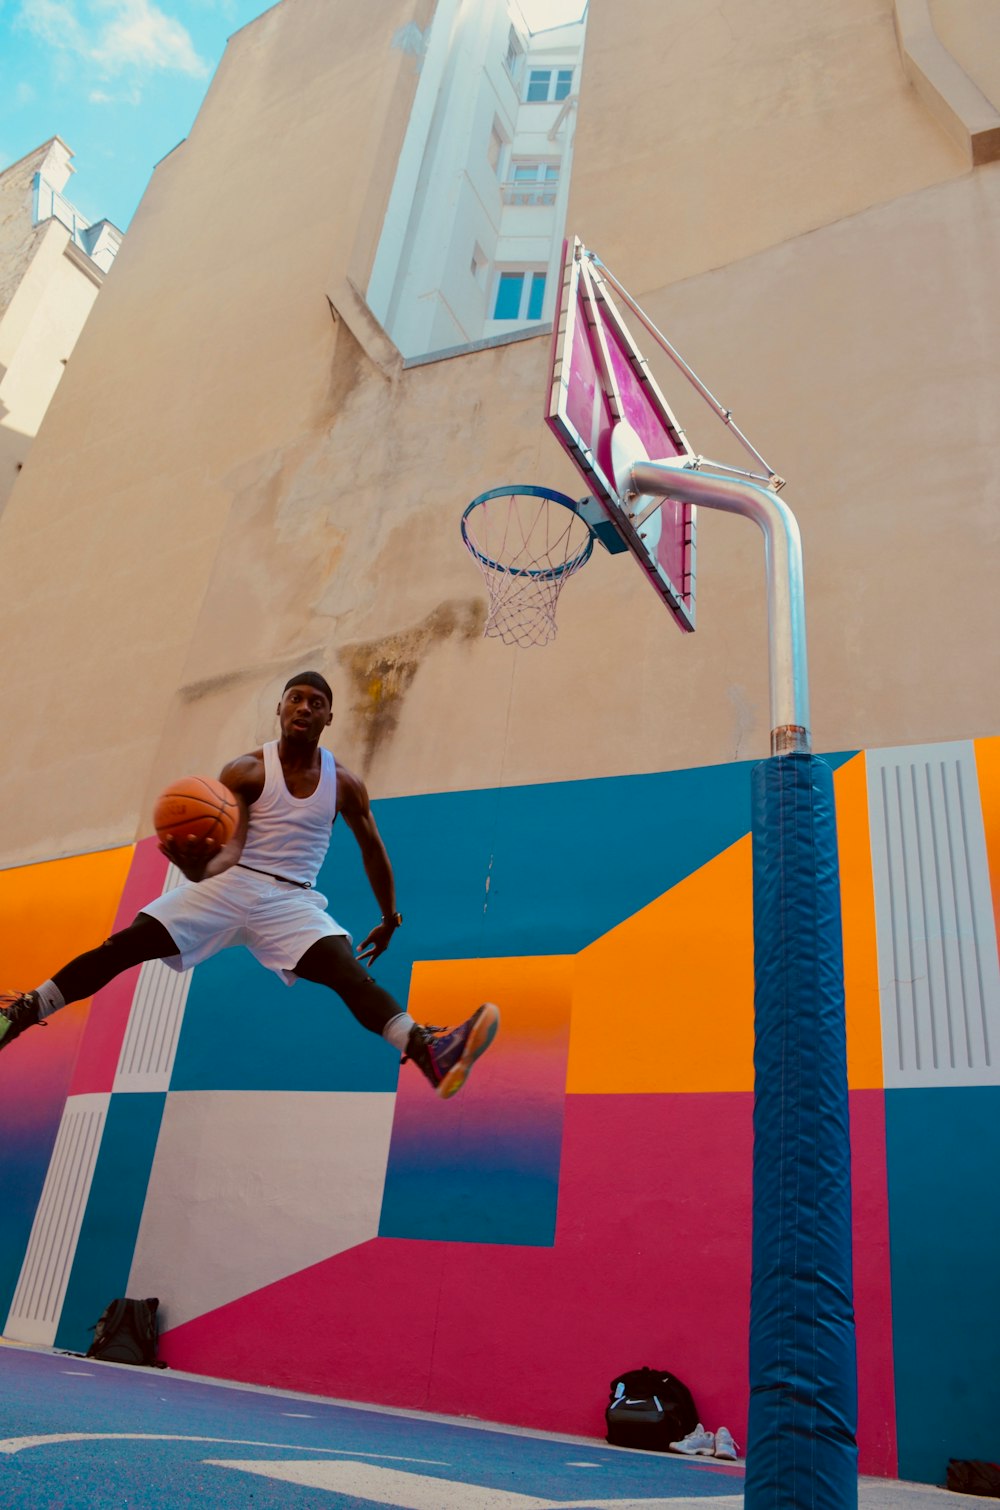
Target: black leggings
x=328, y=962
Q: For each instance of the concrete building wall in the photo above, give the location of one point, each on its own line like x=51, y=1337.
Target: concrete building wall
x=52, y=266
x=249, y=415
x=969, y=30
x=239, y=475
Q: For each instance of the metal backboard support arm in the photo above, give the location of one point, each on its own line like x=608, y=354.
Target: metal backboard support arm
x=720, y=410
x=786, y=620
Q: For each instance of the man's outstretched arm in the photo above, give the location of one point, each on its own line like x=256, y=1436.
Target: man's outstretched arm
x=353, y=802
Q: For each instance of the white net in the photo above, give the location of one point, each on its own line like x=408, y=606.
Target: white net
x=527, y=542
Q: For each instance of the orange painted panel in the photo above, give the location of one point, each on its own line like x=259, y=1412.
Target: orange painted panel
x=532, y=993
x=664, y=1002
x=988, y=767
x=51, y=912
x=857, y=902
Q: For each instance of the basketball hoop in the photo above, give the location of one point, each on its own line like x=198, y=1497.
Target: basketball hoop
x=527, y=542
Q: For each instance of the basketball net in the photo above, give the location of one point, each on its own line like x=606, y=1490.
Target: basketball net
x=527, y=543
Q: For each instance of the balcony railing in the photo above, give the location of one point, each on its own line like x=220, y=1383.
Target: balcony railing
x=527, y=192
x=100, y=242
x=51, y=205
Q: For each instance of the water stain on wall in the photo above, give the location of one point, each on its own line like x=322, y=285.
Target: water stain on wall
x=381, y=671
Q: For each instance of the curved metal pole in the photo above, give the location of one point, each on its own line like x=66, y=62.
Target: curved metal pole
x=786, y=618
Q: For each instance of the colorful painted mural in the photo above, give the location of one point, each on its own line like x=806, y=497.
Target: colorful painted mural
x=311, y=1217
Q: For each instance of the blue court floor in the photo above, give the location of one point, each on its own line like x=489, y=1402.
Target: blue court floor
x=75, y=1434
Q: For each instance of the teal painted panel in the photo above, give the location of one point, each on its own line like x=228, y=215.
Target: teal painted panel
x=111, y=1221
x=244, y=1029
x=564, y=862
x=942, y=1148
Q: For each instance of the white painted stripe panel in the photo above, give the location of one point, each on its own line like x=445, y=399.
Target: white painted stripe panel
x=149, y=1047
x=147, y=1055
x=939, y=974
x=41, y=1288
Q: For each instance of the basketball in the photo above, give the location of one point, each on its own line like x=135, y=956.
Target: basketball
x=196, y=807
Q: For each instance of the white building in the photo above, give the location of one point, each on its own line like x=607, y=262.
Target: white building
x=472, y=238
x=53, y=262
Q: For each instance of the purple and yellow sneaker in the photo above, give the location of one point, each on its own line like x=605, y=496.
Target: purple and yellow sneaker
x=18, y=1010
x=447, y=1057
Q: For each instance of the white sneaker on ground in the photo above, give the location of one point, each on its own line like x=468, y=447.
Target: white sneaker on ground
x=697, y=1443
x=725, y=1447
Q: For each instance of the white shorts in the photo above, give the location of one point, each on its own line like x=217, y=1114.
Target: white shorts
x=275, y=921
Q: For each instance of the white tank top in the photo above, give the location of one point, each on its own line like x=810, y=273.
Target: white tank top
x=289, y=836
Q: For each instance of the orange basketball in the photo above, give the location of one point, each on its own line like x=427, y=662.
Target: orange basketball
x=196, y=807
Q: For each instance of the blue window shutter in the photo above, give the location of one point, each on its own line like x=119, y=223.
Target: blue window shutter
x=508, y=301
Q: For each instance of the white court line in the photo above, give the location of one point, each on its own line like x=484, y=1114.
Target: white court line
x=56, y=1439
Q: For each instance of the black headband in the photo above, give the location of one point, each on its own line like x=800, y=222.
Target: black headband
x=310, y=679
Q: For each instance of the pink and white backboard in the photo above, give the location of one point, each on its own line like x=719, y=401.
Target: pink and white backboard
x=600, y=384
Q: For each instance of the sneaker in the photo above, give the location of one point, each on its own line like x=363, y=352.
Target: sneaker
x=725, y=1447
x=447, y=1057
x=18, y=1010
x=698, y=1443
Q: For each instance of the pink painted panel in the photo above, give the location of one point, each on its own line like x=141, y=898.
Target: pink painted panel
x=108, y=1018
x=349, y=1316
x=872, y=1282
x=651, y=1265
x=644, y=1270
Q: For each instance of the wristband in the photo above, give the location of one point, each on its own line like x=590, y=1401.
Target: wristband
x=396, y=918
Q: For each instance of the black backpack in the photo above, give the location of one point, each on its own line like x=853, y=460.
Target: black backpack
x=126, y=1333
x=649, y=1408
x=974, y=1476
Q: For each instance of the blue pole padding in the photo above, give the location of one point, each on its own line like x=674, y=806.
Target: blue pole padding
x=801, y=1448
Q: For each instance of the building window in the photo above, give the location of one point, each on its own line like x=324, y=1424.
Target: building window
x=515, y=55
x=547, y=84
x=519, y=296
x=531, y=183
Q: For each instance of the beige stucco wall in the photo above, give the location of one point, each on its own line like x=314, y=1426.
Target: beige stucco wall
x=709, y=133
x=229, y=486
x=42, y=324
x=970, y=30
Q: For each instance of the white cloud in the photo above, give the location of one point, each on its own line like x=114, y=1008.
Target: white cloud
x=116, y=36
x=54, y=22
x=140, y=35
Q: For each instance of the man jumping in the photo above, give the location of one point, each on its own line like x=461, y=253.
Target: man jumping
x=257, y=889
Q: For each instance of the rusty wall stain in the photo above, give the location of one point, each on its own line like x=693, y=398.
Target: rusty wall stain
x=381, y=671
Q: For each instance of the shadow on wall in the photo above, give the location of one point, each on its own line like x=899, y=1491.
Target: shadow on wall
x=14, y=448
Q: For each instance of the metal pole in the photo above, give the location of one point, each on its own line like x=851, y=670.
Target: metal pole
x=802, y=1422
x=786, y=618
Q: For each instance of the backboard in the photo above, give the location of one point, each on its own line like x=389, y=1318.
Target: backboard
x=606, y=410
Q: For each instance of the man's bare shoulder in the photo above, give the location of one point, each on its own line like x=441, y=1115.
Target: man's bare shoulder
x=352, y=794
x=245, y=775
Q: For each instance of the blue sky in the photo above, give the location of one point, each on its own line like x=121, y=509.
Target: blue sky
x=121, y=82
